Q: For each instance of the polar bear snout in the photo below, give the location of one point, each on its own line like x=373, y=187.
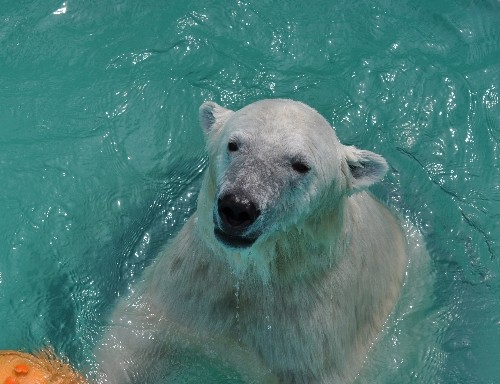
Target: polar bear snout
x=235, y=214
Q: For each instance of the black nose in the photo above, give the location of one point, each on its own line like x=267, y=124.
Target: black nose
x=237, y=212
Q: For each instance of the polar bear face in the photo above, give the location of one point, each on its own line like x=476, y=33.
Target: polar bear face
x=275, y=163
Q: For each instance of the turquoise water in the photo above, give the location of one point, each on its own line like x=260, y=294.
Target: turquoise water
x=101, y=154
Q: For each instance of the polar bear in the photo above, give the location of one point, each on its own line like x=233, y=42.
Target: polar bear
x=286, y=271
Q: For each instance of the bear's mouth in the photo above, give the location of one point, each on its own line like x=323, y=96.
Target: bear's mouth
x=234, y=241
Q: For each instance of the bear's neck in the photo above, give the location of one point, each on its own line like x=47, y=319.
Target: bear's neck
x=312, y=248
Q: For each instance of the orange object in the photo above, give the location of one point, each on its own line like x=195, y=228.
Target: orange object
x=21, y=369
x=43, y=367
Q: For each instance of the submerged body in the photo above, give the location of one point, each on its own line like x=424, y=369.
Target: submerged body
x=286, y=271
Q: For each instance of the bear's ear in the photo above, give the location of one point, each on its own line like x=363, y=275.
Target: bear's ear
x=212, y=116
x=365, y=168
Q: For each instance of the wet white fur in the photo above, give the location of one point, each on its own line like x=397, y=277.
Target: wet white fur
x=305, y=302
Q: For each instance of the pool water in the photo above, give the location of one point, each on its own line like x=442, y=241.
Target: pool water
x=101, y=155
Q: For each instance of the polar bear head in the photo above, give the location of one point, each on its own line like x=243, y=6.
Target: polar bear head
x=274, y=164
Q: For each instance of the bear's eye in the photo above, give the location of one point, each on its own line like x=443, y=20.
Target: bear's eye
x=232, y=146
x=300, y=167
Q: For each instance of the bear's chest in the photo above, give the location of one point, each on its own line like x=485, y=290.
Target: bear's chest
x=287, y=328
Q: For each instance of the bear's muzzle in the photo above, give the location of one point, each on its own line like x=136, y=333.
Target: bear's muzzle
x=235, y=215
